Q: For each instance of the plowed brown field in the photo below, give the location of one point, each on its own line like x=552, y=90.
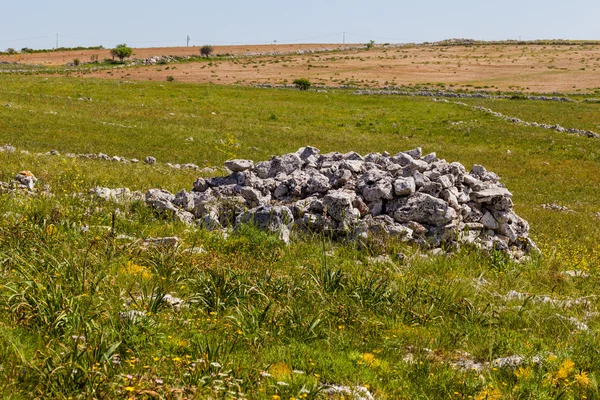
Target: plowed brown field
x=532, y=68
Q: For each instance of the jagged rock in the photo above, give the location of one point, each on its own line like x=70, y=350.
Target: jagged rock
x=339, y=205
x=150, y=160
x=307, y=152
x=286, y=163
x=254, y=197
x=273, y=218
x=488, y=221
x=184, y=200
x=200, y=185
x=239, y=165
x=161, y=200
x=415, y=153
x=26, y=179
x=120, y=195
x=404, y=186
x=422, y=208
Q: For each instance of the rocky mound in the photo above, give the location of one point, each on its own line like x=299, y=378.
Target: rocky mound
x=417, y=198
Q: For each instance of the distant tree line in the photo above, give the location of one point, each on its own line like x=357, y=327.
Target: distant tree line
x=27, y=50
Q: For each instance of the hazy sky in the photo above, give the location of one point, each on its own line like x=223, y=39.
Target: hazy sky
x=153, y=23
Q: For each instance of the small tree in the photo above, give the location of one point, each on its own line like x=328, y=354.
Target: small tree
x=10, y=50
x=121, y=52
x=302, y=83
x=206, y=50
x=76, y=62
x=370, y=44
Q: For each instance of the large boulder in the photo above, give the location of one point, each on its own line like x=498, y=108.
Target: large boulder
x=422, y=208
x=339, y=205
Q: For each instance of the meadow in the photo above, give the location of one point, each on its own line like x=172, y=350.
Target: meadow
x=260, y=319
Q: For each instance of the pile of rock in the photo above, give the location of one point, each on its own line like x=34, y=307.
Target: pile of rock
x=23, y=181
x=418, y=198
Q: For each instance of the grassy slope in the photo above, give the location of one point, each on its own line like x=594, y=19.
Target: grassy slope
x=349, y=327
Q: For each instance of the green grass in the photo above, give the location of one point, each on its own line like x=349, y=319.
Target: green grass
x=253, y=306
x=568, y=115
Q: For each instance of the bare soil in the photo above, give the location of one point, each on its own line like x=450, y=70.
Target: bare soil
x=530, y=68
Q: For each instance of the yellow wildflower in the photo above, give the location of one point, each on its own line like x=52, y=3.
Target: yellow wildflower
x=280, y=371
x=136, y=270
x=582, y=379
x=523, y=373
x=489, y=394
x=565, y=369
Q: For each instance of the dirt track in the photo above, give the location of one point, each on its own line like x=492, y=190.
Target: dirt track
x=535, y=68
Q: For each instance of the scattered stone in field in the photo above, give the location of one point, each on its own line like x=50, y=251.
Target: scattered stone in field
x=125, y=237
x=580, y=326
x=7, y=148
x=195, y=250
x=464, y=361
x=381, y=259
x=25, y=179
x=543, y=299
x=12, y=217
x=417, y=198
x=150, y=160
x=437, y=252
x=575, y=274
x=190, y=166
x=119, y=195
x=132, y=315
x=556, y=207
x=174, y=302
x=508, y=362
x=170, y=241
x=354, y=392
x=53, y=153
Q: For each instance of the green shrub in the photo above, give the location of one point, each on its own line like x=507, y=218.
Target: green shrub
x=206, y=50
x=302, y=83
x=121, y=52
x=170, y=78
x=76, y=62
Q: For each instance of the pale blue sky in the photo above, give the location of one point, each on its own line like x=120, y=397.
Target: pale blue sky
x=153, y=23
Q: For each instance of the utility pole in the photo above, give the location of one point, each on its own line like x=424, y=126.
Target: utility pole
x=57, y=40
x=188, y=40
x=344, y=40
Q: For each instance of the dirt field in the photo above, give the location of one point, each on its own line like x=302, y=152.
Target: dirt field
x=531, y=68
x=63, y=57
